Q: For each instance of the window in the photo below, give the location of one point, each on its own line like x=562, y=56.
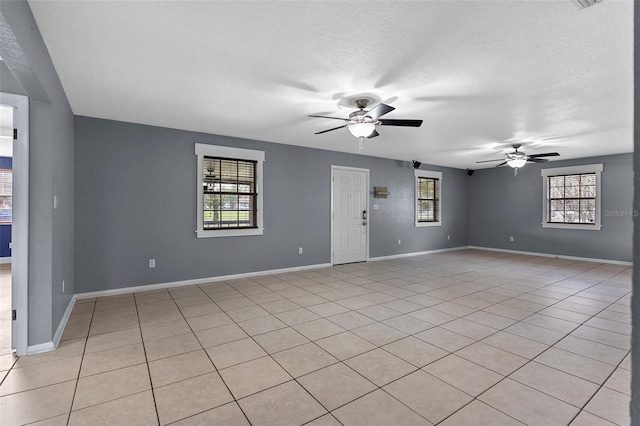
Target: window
x=229, y=191
x=572, y=197
x=428, y=190
x=6, y=183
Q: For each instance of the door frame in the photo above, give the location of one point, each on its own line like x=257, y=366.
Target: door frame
x=20, y=222
x=353, y=169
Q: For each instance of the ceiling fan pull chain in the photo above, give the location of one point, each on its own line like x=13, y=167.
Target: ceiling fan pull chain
x=360, y=141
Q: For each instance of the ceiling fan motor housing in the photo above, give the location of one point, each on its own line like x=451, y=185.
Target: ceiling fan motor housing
x=518, y=155
x=361, y=116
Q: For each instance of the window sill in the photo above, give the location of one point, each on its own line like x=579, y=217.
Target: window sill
x=421, y=224
x=594, y=227
x=229, y=233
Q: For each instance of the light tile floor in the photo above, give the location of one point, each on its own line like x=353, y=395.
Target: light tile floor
x=458, y=338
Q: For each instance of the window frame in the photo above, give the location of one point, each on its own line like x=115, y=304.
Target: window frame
x=217, y=151
x=568, y=171
x=429, y=175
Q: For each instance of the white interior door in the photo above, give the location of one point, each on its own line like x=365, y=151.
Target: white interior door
x=349, y=225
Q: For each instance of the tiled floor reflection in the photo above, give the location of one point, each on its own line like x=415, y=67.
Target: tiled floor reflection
x=456, y=338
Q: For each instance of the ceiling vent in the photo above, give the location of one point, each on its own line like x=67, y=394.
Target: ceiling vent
x=583, y=4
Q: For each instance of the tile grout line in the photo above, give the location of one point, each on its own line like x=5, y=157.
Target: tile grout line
x=377, y=387
x=144, y=348
x=606, y=379
x=209, y=357
x=294, y=379
x=580, y=409
x=532, y=360
x=311, y=372
x=84, y=350
x=412, y=372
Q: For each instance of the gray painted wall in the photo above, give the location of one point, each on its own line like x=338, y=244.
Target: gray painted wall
x=503, y=205
x=51, y=138
x=135, y=200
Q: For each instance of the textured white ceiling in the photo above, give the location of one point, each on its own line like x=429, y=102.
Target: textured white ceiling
x=481, y=74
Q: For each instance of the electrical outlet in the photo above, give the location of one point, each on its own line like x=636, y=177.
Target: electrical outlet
x=375, y=207
x=152, y=263
x=399, y=242
x=299, y=250
x=55, y=201
x=511, y=238
x=448, y=237
x=63, y=286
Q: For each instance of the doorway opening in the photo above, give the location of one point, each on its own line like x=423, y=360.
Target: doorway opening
x=16, y=276
x=6, y=197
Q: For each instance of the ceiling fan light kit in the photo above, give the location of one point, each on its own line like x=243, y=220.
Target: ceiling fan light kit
x=517, y=162
x=361, y=130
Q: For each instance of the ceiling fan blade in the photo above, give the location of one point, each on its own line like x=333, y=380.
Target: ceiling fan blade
x=547, y=154
x=406, y=123
x=373, y=134
x=333, y=118
x=501, y=164
x=379, y=110
x=328, y=130
x=489, y=161
x=537, y=160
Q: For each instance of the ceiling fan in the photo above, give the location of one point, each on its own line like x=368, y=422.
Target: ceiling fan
x=517, y=159
x=362, y=123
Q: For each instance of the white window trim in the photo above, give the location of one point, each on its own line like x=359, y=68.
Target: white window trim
x=433, y=175
x=573, y=170
x=202, y=150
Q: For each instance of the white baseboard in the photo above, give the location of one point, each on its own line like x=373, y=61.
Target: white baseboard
x=416, y=253
x=124, y=290
x=50, y=346
x=63, y=322
x=42, y=347
x=557, y=256
x=5, y=260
